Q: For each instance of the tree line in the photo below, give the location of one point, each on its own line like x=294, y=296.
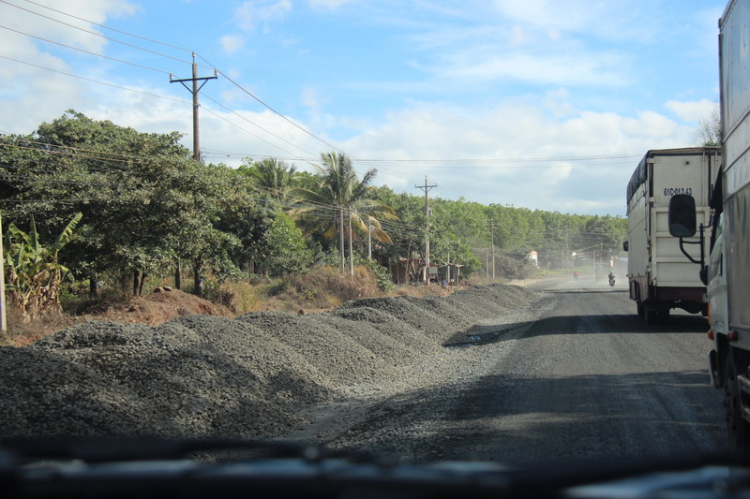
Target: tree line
x=143, y=209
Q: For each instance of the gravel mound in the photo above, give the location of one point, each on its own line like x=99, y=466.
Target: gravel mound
x=250, y=376
x=388, y=325
x=334, y=353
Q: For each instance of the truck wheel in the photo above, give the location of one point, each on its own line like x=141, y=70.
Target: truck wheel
x=663, y=316
x=641, y=311
x=737, y=428
x=649, y=315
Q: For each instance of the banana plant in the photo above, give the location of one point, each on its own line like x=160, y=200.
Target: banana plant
x=32, y=272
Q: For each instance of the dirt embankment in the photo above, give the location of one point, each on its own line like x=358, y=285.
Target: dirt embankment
x=250, y=376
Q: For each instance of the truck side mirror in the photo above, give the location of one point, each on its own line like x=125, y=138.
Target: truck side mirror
x=682, y=220
x=625, y=245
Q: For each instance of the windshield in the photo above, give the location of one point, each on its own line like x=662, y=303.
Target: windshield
x=390, y=228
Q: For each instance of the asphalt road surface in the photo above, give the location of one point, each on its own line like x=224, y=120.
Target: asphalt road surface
x=585, y=379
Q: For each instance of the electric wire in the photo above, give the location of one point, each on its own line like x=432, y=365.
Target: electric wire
x=95, y=81
x=96, y=34
x=84, y=51
x=108, y=27
x=255, y=124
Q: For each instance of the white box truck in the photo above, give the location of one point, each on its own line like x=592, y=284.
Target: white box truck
x=660, y=275
x=727, y=269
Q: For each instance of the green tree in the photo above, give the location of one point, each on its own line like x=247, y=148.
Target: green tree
x=272, y=176
x=342, y=204
x=287, y=251
x=146, y=203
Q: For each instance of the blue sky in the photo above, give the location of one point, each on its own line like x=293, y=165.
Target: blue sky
x=501, y=101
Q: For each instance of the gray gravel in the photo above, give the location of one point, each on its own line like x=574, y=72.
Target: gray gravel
x=262, y=374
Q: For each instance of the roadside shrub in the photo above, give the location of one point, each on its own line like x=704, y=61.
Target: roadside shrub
x=383, y=277
x=238, y=296
x=513, y=268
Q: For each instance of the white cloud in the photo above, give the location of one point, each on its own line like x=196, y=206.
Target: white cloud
x=519, y=130
x=40, y=24
x=232, y=43
x=517, y=36
x=328, y=4
x=309, y=98
x=254, y=12
x=557, y=102
x=558, y=69
x=610, y=20
x=29, y=93
x=692, y=111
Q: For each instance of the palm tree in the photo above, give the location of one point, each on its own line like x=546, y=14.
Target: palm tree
x=273, y=176
x=341, y=194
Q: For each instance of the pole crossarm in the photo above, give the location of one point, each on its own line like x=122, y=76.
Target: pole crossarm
x=194, y=89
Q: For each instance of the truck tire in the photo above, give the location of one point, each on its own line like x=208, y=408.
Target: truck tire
x=737, y=428
x=640, y=309
x=650, y=315
x=663, y=316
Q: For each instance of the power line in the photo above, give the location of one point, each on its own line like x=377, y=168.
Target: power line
x=255, y=124
x=94, y=81
x=506, y=160
x=228, y=78
x=108, y=27
x=94, y=33
x=84, y=51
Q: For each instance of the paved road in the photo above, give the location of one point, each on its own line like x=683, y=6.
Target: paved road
x=586, y=380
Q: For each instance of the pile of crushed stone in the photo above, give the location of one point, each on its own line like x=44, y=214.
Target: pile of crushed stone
x=205, y=375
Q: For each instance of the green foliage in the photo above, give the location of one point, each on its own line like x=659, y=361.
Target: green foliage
x=32, y=272
x=287, y=251
x=383, y=277
x=147, y=205
x=464, y=231
x=270, y=176
x=145, y=201
x=339, y=195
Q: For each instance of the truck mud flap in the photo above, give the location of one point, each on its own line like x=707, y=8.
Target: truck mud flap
x=744, y=385
x=713, y=372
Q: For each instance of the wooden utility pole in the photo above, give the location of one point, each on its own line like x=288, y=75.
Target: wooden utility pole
x=195, y=89
x=426, y=188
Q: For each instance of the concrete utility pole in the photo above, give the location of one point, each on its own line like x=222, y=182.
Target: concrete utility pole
x=342, y=255
x=351, y=248
x=492, y=241
x=3, y=315
x=426, y=188
x=369, y=239
x=448, y=268
x=195, y=89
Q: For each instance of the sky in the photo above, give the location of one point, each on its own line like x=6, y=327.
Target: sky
x=541, y=104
